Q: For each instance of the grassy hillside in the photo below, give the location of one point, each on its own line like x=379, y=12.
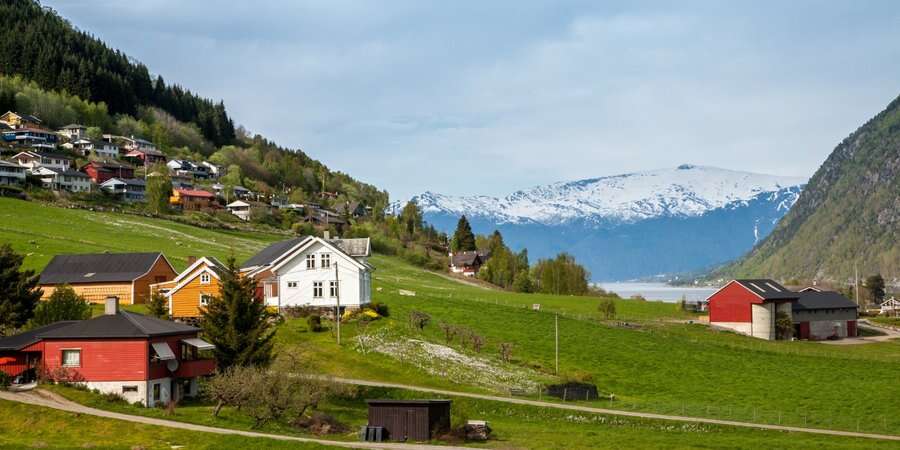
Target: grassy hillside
x=40, y=231
x=847, y=216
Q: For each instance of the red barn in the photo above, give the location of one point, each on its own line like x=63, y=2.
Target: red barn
x=141, y=358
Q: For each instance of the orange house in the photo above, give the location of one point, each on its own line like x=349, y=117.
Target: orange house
x=191, y=290
x=97, y=276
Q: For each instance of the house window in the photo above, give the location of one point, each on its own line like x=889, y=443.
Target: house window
x=204, y=278
x=157, y=392
x=326, y=260
x=205, y=299
x=317, y=289
x=333, y=288
x=292, y=284
x=71, y=358
x=127, y=389
x=310, y=261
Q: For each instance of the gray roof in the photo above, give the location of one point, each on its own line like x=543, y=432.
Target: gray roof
x=125, y=324
x=98, y=267
x=467, y=258
x=22, y=340
x=9, y=164
x=73, y=173
x=768, y=289
x=810, y=300
x=73, y=126
x=355, y=247
x=269, y=254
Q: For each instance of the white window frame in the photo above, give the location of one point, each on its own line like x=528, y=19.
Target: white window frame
x=318, y=288
x=325, y=260
x=205, y=278
x=333, y=288
x=62, y=357
x=310, y=262
x=206, y=297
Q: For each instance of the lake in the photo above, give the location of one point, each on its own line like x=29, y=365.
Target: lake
x=658, y=291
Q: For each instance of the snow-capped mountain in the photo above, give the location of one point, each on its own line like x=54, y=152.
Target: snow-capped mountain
x=628, y=226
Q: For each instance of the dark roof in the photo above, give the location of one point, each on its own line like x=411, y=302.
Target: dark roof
x=768, y=289
x=467, y=258
x=98, y=267
x=73, y=126
x=73, y=173
x=810, y=300
x=407, y=402
x=22, y=340
x=55, y=155
x=122, y=325
x=269, y=254
x=9, y=164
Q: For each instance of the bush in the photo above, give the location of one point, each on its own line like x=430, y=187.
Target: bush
x=418, y=320
x=5, y=381
x=607, y=308
x=381, y=308
x=64, y=304
x=314, y=323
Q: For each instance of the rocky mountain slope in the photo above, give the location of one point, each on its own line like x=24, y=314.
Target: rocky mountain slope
x=632, y=225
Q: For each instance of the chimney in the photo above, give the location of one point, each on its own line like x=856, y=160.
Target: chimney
x=191, y=259
x=326, y=234
x=112, y=305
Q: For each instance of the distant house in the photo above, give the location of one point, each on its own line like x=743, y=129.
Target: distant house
x=133, y=143
x=214, y=170
x=139, y=358
x=352, y=209
x=192, y=199
x=101, y=171
x=128, y=189
x=100, y=149
x=73, y=131
x=323, y=217
x=62, y=180
x=241, y=192
x=890, y=306
x=127, y=276
x=189, y=293
x=467, y=263
x=751, y=307
x=146, y=157
x=31, y=137
x=239, y=208
x=15, y=120
x=11, y=174
x=313, y=271
x=55, y=161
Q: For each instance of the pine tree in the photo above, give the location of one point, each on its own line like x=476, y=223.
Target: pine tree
x=158, y=305
x=64, y=304
x=463, y=238
x=19, y=293
x=237, y=324
x=875, y=286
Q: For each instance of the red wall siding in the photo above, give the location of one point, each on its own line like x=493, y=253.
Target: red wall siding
x=103, y=360
x=16, y=367
x=732, y=304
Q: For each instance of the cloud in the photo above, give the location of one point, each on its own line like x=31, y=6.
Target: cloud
x=487, y=98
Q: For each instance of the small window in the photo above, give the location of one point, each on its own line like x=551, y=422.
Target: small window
x=317, y=289
x=205, y=299
x=333, y=288
x=127, y=389
x=326, y=260
x=204, y=278
x=157, y=392
x=292, y=284
x=310, y=261
x=71, y=358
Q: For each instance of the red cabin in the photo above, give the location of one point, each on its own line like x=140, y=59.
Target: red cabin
x=102, y=171
x=141, y=358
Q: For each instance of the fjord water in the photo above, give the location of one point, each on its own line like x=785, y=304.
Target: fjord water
x=658, y=291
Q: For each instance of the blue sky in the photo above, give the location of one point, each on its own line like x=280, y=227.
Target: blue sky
x=490, y=97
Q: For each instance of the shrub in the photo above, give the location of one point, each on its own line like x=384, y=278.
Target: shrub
x=314, y=323
x=449, y=330
x=64, y=304
x=381, y=308
x=607, y=308
x=506, y=351
x=113, y=397
x=5, y=381
x=418, y=320
x=477, y=341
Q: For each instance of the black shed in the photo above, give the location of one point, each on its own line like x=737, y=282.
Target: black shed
x=410, y=420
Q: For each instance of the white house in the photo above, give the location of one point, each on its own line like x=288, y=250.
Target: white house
x=133, y=143
x=11, y=174
x=62, y=180
x=74, y=131
x=32, y=160
x=131, y=190
x=239, y=208
x=314, y=271
x=890, y=306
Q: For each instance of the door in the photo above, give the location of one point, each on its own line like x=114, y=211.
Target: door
x=851, y=328
x=804, y=330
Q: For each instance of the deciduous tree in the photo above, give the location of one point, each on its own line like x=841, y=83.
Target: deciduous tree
x=64, y=304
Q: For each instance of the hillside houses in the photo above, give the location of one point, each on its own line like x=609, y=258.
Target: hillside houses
x=126, y=276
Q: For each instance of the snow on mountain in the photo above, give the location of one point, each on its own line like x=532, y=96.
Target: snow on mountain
x=685, y=191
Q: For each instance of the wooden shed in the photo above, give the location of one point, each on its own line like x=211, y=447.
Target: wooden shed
x=410, y=420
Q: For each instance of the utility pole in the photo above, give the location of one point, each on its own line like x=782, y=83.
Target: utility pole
x=556, y=325
x=856, y=283
x=337, y=297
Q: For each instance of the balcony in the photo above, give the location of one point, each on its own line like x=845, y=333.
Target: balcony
x=195, y=368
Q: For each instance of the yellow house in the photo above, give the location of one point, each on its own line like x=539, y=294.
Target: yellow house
x=16, y=120
x=191, y=290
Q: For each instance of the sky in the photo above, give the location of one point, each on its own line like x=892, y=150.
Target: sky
x=490, y=97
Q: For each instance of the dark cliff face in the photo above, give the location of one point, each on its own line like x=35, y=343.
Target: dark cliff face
x=848, y=215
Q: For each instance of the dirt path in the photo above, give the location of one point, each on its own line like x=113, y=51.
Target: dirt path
x=46, y=399
x=615, y=412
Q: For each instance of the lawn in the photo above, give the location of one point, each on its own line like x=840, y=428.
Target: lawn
x=40, y=231
x=515, y=426
x=27, y=426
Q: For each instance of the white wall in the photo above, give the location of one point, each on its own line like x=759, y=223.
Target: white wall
x=165, y=391
x=822, y=329
x=115, y=387
x=740, y=327
x=354, y=288
x=763, y=317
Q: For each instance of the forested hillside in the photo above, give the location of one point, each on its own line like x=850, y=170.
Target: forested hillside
x=848, y=215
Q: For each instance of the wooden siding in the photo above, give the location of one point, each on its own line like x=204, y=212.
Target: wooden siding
x=410, y=421
x=96, y=292
x=732, y=304
x=103, y=360
x=160, y=272
x=186, y=301
x=16, y=367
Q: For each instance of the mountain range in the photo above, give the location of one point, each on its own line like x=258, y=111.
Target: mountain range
x=633, y=225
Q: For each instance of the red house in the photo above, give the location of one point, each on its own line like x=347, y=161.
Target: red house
x=101, y=171
x=141, y=358
x=752, y=307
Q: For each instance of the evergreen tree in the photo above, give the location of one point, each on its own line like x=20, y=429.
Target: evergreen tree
x=875, y=286
x=19, y=293
x=463, y=238
x=64, y=304
x=158, y=305
x=237, y=324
